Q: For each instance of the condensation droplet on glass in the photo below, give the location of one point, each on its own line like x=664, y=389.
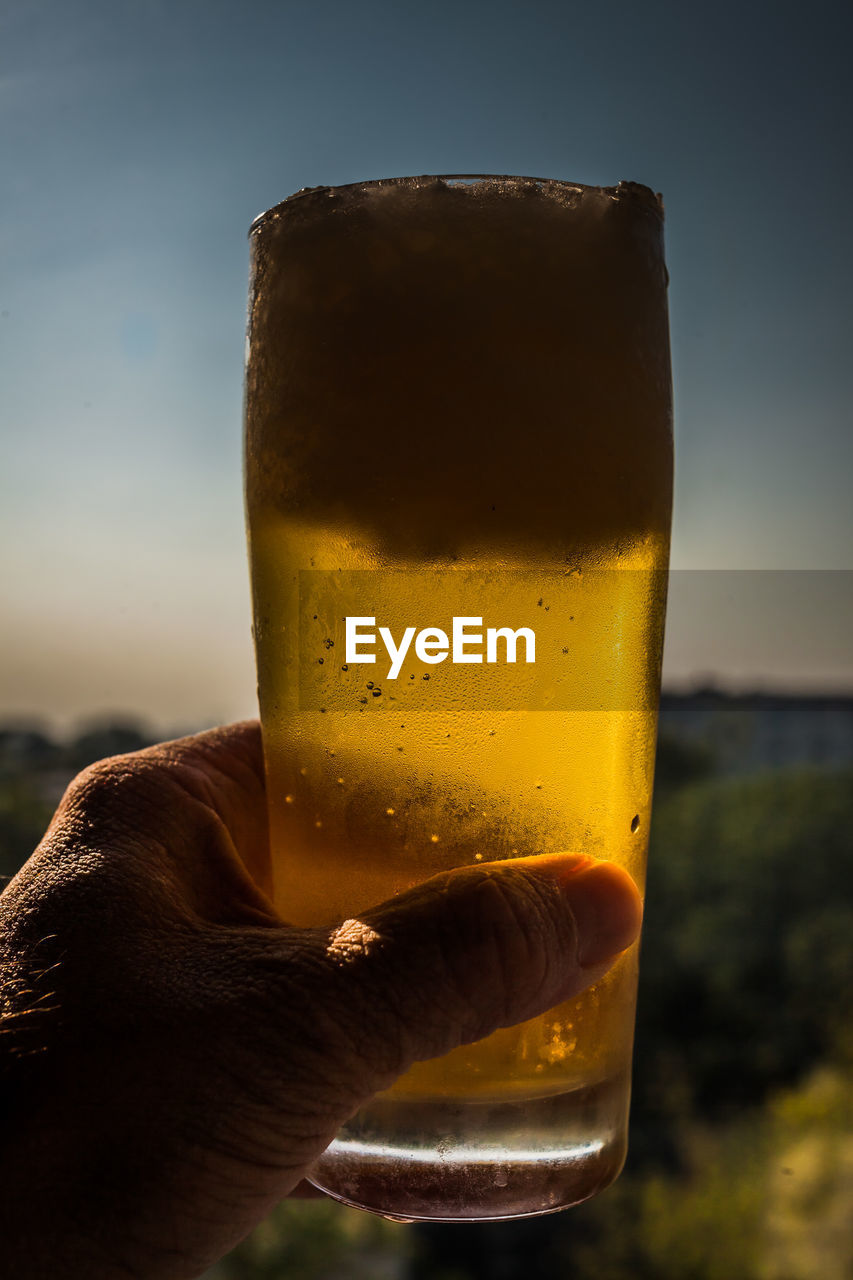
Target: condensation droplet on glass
x=318, y=823
x=370, y=684
x=303, y=771
x=288, y=799
x=389, y=813
x=434, y=839
x=340, y=782
x=635, y=824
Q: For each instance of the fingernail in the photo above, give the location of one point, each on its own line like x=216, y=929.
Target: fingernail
x=607, y=910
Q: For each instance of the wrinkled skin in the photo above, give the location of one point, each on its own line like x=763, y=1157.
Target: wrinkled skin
x=173, y=1056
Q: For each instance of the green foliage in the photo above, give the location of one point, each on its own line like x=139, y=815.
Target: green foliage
x=809, y=1205
x=24, y=815
x=747, y=965
x=321, y=1240
x=678, y=763
x=705, y=1224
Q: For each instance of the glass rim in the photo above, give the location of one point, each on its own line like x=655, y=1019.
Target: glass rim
x=646, y=194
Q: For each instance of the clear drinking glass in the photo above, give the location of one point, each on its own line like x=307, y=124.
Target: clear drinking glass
x=459, y=408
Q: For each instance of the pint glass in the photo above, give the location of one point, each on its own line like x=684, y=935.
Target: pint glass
x=459, y=481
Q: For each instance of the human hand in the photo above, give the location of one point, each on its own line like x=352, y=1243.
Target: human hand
x=173, y=1057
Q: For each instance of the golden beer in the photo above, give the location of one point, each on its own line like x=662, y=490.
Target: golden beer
x=459, y=432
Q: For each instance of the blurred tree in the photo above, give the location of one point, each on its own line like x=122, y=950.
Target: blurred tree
x=321, y=1240
x=105, y=738
x=679, y=762
x=747, y=965
x=808, y=1216
x=24, y=815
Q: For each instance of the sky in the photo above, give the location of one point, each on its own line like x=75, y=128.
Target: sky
x=138, y=141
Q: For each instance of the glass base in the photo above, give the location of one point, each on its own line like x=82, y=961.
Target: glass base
x=464, y=1160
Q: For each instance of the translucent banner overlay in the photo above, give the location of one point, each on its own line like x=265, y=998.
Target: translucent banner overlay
x=460, y=640
x=788, y=630
x=444, y=640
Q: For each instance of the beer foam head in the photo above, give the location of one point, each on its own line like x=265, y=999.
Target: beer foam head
x=450, y=366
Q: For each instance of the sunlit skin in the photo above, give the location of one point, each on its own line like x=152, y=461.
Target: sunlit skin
x=175, y=1056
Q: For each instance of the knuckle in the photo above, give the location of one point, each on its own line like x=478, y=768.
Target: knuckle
x=515, y=929
x=102, y=798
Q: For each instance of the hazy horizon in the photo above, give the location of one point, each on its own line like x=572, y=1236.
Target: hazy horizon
x=739, y=631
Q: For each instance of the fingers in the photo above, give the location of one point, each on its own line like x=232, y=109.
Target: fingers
x=224, y=769
x=476, y=949
x=188, y=816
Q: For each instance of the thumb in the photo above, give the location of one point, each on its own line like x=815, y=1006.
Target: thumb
x=476, y=949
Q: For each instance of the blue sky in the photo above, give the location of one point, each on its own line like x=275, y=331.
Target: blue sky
x=138, y=141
